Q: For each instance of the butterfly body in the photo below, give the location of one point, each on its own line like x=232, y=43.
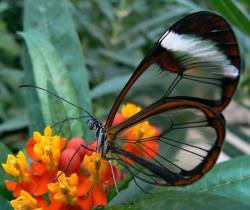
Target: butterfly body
x=102, y=145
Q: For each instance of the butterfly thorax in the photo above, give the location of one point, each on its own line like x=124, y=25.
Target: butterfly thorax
x=101, y=136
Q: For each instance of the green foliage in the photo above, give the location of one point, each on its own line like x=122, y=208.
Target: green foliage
x=115, y=36
x=4, y=151
x=231, y=11
x=56, y=61
x=227, y=182
x=182, y=200
x=50, y=73
x=5, y=204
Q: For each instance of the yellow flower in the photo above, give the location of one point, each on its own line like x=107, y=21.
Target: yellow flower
x=95, y=165
x=140, y=130
x=129, y=110
x=15, y=165
x=47, y=147
x=65, y=190
x=24, y=201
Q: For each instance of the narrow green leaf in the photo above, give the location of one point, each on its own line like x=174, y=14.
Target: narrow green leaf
x=92, y=29
x=231, y=150
x=125, y=59
x=110, y=86
x=51, y=20
x=233, y=13
x=48, y=69
x=239, y=132
x=14, y=124
x=106, y=8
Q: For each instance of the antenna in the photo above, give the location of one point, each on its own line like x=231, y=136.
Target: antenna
x=53, y=94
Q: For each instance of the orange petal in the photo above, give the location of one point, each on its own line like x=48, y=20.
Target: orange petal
x=151, y=149
x=54, y=205
x=41, y=202
x=92, y=146
x=62, y=143
x=38, y=168
x=10, y=185
x=17, y=187
x=132, y=148
x=107, y=174
x=108, y=178
x=42, y=187
x=99, y=195
x=29, y=148
x=84, y=187
x=43, y=181
x=85, y=204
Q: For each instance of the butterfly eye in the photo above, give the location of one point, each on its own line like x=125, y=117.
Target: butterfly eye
x=91, y=124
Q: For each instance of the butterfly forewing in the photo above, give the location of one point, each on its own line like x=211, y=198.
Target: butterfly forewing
x=197, y=57
x=181, y=141
x=205, y=50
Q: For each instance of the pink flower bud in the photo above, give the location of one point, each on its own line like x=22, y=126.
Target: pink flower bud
x=69, y=161
x=75, y=144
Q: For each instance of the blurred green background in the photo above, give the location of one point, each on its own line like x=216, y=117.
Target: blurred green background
x=114, y=37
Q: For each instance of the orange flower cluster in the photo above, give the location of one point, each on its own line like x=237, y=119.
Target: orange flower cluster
x=143, y=132
x=59, y=176
x=64, y=175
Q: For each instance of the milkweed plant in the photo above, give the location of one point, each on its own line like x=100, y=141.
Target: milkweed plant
x=62, y=174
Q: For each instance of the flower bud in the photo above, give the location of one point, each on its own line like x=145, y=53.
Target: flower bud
x=69, y=161
x=75, y=144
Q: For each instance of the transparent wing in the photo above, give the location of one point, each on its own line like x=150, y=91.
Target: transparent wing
x=172, y=142
x=197, y=57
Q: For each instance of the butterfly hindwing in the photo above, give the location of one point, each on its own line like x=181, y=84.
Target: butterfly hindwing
x=184, y=145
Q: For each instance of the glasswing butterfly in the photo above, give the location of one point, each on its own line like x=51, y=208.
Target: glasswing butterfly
x=197, y=65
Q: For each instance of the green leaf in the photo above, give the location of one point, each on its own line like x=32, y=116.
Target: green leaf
x=172, y=200
x=50, y=20
x=51, y=74
x=4, y=151
x=110, y=86
x=233, y=13
x=230, y=179
x=125, y=59
x=106, y=8
x=92, y=29
x=14, y=123
x=5, y=204
x=231, y=150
